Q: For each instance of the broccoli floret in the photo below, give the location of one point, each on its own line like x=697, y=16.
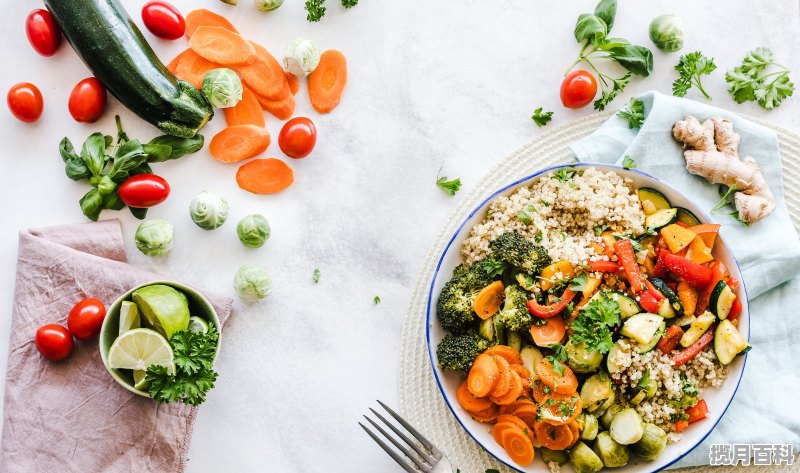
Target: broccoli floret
x=518, y=251
x=454, y=307
x=515, y=314
x=457, y=352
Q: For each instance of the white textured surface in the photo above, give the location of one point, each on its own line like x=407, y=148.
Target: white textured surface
x=431, y=83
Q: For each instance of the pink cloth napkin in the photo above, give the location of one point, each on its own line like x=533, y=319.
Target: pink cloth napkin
x=72, y=415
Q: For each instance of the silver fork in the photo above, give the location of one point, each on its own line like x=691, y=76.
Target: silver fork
x=426, y=458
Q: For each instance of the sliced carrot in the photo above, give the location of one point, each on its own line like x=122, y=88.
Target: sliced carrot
x=528, y=413
x=562, y=384
x=504, y=382
x=554, y=437
x=558, y=409
x=483, y=375
x=488, y=300
x=540, y=390
x=510, y=408
x=550, y=332
x=293, y=81
x=173, y=65
x=236, y=143
x=513, y=419
x=513, y=394
x=326, y=83
x=499, y=427
x=511, y=355
x=488, y=415
x=247, y=112
x=202, y=17
x=470, y=402
x=576, y=431
x=193, y=68
x=265, y=76
x=525, y=376
x=265, y=176
x=282, y=109
x=222, y=46
x=518, y=446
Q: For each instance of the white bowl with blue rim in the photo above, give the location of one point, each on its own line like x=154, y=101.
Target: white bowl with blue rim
x=718, y=399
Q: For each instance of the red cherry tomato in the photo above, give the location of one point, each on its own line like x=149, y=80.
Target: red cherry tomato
x=163, y=20
x=298, y=137
x=54, y=342
x=87, y=102
x=86, y=318
x=144, y=190
x=25, y=102
x=43, y=32
x=578, y=89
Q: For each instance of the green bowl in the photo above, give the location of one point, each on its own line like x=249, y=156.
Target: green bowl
x=198, y=306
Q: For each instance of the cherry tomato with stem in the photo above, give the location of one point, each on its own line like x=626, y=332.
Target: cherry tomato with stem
x=54, y=342
x=86, y=318
x=25, y=102
x=143, y=191
x=578, y=89
x=298, y=137
x=163, y=20
x=87, y=101
x=43, y=32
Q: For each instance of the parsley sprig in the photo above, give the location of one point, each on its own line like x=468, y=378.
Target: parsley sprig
x=558, y=358
x=760, y=79
x=690, y=67
x=316, y=9
x=594, y=324
x=193, y=354
x=633, y=112
x=450, y=187
x=541, y=118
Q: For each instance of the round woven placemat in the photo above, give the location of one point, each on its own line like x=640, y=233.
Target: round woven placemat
x=420, y=400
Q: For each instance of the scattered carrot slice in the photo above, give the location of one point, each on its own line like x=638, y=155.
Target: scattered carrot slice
x=326, y=83
x=247, y=112
x=499, y=427
x=294, y=83
x=504, y=382
x=488, y=300
x=265, y=76
x=173, y=65
x=513, y=394
x=282, y=109
x=562, y=384
x=513, y=419
x=470, y=402
x=193, y=68
x=539, y=390
x=525, y=376
x=265, y=176
x=554, y=437
x=488, y=415
x=552, y=331
x=203, y=17
x=576, y=431
x=483, y=375
x=221, y=46
x=518, y=446
x=510, y=408
x=511, y=355
x=558, y=409
x=528, y=413
x=236, y=143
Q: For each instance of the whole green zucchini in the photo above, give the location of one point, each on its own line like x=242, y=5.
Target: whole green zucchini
x=108, y=41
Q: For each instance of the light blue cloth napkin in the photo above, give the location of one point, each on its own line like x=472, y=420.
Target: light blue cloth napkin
x=765, y=408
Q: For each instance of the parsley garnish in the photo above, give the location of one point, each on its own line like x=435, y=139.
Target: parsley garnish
x=645, y=379
x=349, y=3
x=558, y=357
x=564, y=174
x=628, y=162
x=541, y=118
x=633, y=112
x=315, y=276
x=524, y=216
x=594, y=323
x=578, y=282
x=751, y=81
x=451, y=187
x=493, y=267
x=599, y=229
x=690, y=67
x=194, y=373
x=315, y=10
x=545, y=203
x=538, y=237
x=376, y=300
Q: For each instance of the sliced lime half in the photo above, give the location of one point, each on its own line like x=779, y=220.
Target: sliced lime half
x=197, y=325
x=139, y=348
x=129, y=317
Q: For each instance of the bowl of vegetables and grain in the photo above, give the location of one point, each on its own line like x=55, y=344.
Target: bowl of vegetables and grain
x=160, y=340
x=587, y=317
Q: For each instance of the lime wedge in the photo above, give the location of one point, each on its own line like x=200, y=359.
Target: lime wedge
x=197, y=325
x=139, y=348
x=165, y=308
x=129, y=317
x=139, y=381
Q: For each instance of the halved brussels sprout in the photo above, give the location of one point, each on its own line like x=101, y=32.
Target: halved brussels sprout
x=608, y=415
x=301, y=57
x=222, y=87
x=652, y=443
x=584, y=460
x=627, y=427
x=589, y=426
x=610, y=452
x=268, y=5
x=581, y=359
x=595, y=391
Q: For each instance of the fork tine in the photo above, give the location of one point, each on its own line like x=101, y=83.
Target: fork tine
x=388, y=450
x=428, y=458
x=420, y=464
x=414, y=432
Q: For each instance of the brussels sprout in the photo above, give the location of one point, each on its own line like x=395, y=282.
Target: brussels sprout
x=589, y=426
x=666, y=32
x=596, y=391
x=222, y=87
x=558, y=456
x=154, y=237
x=253, y=231
x=252, y=283
x=612, y=453
x=608, y=415
x=584, y=460
x=301, y=57
x=582, y=360
x=268, y=5
x=627, y=426
x=208, y=211
x=652, y=443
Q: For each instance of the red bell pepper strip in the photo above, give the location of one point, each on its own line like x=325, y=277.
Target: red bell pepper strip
x=655, y=292
x=660, y=270
x=627, y=259
x=603, y=266
x=680, y=425
x=718, y=273
x=547, y=311
x=736, y=308
x=688, y=353
x=691, y=272
x=649, y=302
x=697, y=412
x=670, y=339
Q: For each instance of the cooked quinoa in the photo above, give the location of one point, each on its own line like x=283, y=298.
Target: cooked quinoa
x=561, y=215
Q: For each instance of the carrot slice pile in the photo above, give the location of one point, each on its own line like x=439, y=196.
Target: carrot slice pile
x=513, y=393
x=193, y=68
x=202, y=17
x=326, y=83
x=247, y=112
x=504, y=381
x=221, y=46
x=511, y=355
x=173, y=65
x=483, y=375
x=282, y=109
x=236, y=143
x=518, y=446
x=265, y=176
x=470, y=402
x=554, y=437
x=562, y=384
x=265, y=76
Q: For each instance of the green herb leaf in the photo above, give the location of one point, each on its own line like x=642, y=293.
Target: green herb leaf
x=92, y=204
x=349, y=3
x=494, y=268
x=590, y=28
x=609, y=95
x=759, y=78
x=451, y=187
x=607, y=10
x=690, y=67
x=524, y=217
x=644, y=379
x=538, y=237
x=599, y=229
x=564, y=174
x=141, y=214
x=628, y=162
x=315, y=10
x=93, y=153
x=376, y=300
x=194, y=374
x=633, y=112
x=179, y=147
x=636, y=59
x=594, y=324
x=541, y=118
x=315, y=276
x=578, y=282
x=558, y=357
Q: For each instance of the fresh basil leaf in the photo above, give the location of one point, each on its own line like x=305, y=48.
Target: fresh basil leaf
x=66, y=150
x=636, y=59
x=94, y=153
x=92, y=204
x=590, y=28
x=611, y=43
x=141, y=214
x=607, y=10
x=76, y=169
x=143, y=168
x=180, y=146
x=157, y=153
x=112, y=201
x=128, y=157
x=106, y=186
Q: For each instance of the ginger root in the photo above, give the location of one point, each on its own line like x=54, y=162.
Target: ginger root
x=713, y=153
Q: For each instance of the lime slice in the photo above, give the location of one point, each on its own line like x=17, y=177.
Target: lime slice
x=129, y=317
x=165, y=308
x=197, y=325
x=139, y=381
x=139, y=348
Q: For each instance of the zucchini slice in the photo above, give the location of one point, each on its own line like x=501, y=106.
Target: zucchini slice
x=721, y=301
x=646, y=347
x=661, y=219
x=674, y=301
x=627, y=306
x=728, y=342
x=687, y=217
x=656, y=200
x=684, y=321
x=665, y=309
x=642, y=327
x=698, y=328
